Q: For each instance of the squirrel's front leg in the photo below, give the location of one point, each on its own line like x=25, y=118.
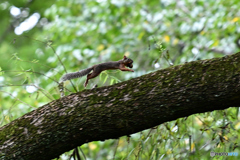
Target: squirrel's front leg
x=126, y=69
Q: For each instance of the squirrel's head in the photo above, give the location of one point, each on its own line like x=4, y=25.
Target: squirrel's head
x=128, y=62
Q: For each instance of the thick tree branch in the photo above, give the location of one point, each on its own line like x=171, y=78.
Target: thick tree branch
x=123, y=108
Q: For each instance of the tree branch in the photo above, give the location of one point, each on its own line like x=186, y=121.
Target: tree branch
x=123, y=109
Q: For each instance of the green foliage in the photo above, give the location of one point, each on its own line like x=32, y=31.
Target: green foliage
x=193, y=137
x=155, y=34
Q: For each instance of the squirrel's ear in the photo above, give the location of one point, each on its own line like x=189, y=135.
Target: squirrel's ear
x=124, y=57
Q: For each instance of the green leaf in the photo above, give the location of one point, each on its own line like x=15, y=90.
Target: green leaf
x=105, y=79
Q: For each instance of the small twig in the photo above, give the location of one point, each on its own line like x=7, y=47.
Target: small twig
x=17, y=99
x=77, y=153
x=82, y=153
x=35, y=73
x=41, y=89
x=116, y=149
x=55, y=55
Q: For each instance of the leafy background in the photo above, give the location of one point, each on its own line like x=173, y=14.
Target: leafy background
x=70, y=35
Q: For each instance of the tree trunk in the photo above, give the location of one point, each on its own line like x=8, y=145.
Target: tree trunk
x=123, y=109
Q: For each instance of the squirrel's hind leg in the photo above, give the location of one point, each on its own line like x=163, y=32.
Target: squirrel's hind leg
x=90, y=76
x=86, y=82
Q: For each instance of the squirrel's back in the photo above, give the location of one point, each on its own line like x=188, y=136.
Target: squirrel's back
x=107, y=65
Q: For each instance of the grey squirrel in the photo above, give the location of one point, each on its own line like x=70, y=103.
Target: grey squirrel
x=98, y=68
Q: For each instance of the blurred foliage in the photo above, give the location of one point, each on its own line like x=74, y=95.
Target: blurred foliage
x=155, y=34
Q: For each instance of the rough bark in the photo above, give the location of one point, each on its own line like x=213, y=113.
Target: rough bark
x=123, y=108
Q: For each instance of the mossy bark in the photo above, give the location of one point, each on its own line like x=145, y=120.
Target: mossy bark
x=123, y=108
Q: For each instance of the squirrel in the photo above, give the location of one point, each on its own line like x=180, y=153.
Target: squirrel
x=98, y=68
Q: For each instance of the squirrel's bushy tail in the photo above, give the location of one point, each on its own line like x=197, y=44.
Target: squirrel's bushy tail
x=78, y=74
